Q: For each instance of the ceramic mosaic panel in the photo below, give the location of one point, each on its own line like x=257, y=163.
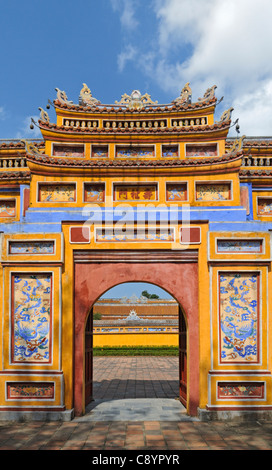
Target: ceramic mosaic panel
x=212, y=191
x=264, y=206
x=94, y=192
x=136, y=192
x=147, y=235
x=57, y=193
x=7, y=208
x=32, y=247
x=170, y=151
x=31, y=390
x=68, y=151
x=241, y=390
x=238, y=317
x=135, y=152
x=201, y=150
x=31, y=317
x=176, y=192
x=239, y=246
x=100, y=151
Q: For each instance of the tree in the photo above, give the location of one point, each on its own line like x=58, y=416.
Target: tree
x=149, y=296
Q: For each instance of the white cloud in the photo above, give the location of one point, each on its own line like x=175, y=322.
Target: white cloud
x=127, y=13
x=213, y=42
x=129, y=53
x=230, y=46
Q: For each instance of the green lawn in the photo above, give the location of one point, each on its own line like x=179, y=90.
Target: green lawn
x=136, y=351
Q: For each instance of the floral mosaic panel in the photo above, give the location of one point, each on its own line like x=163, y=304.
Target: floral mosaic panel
x=30, y=390
x=212, y=192
x=241, y=390
x=135, y=192
x=176, y=192
x=7, y=208
x=239, y=246
x=68, y=151
x=33, y=248
x=201, y=150
x=94, y=193
x=265, y=206
x=135, y=152
x=57, y=193
x=31, y=318
x=238, y=317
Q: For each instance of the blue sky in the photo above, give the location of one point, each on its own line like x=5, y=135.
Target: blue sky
x=116, y=46
x=129, y=289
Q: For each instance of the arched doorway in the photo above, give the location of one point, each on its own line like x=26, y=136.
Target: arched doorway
x=139, y=320
x=177, y=273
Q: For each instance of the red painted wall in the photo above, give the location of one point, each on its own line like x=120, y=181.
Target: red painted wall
x=179, y=279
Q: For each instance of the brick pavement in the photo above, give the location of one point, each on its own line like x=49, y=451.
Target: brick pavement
x=137, y=435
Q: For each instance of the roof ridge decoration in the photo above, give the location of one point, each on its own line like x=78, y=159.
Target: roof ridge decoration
x=86, y=98
x=31, y=149
x=185, y=95
x=237, y=145
x=62, y=97
x=208, y=95
x=44, y=117
x=136, y=100
x=226, y=116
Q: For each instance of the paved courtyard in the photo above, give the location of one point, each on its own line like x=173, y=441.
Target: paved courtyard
x=148, y=382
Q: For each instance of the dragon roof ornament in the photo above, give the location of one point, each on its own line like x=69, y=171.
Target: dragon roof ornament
x=208, y=95
x=136, y=100
x=62, y=97
x=237, y=145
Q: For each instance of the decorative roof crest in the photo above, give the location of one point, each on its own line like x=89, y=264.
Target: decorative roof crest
x=226, y=116
x=62, y=97
x=136, y=100
x=208, y=95
x=44, y=115
x=237, y=145
x=185, y=95
x=86, y=97
x=31, y=148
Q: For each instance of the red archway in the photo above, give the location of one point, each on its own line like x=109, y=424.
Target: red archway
x=95, y=275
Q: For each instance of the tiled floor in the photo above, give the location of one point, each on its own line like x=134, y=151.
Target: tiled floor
x=123, y=378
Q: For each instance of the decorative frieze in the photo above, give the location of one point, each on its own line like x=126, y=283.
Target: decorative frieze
x=7, y=208
x=31, y=247
x=213, y=192
x=240, y=390
x=135, y=151
x=135, y=192
x=57, y=192
x=94, y=192
x=176, y=192
x=68, y=150
x=30, y=390
x=239, y=246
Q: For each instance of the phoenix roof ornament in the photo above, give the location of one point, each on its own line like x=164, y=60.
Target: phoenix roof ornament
x=185, y=95
x=136, y=100
x=86, y=97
